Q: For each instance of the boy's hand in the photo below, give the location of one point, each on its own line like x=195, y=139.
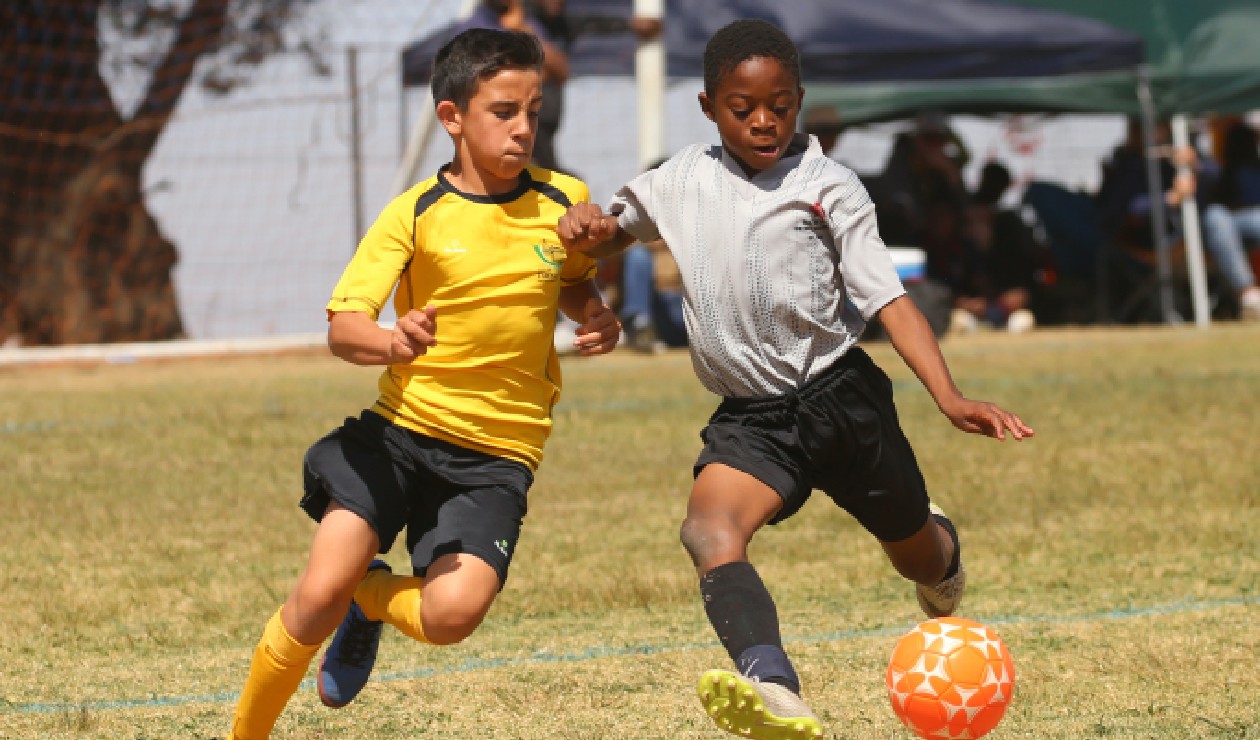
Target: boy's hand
x=413, y=335
x=982, y=417
x=584, y=226
x=599, y=334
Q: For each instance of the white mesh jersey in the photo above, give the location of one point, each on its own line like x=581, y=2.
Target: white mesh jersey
x=780, y=271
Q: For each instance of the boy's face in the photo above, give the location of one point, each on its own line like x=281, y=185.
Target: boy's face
x=755, y=107
x=500, y=123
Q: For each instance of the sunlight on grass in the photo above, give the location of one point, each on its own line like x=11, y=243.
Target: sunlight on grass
x=152, y=527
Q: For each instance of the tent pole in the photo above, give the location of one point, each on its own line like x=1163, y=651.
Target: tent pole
x=422, y=132
x=1155, y=188
x=417, y=145
x=1193, y=234
x=649, y=75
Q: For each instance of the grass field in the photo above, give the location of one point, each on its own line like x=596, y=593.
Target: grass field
x=150, y=529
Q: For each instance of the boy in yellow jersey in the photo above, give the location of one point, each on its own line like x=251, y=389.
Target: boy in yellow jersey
x=449, y=449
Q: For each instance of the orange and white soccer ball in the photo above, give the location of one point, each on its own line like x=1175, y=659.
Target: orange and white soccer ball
x=950, y=679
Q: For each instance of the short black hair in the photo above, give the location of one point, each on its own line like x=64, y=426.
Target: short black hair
x=478, y=54
x=745, y=39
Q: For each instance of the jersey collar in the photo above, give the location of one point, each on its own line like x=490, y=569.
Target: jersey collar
x=802, y=147
x=526, y=182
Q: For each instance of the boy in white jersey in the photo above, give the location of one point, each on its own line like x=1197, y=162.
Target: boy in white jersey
x=782, y=265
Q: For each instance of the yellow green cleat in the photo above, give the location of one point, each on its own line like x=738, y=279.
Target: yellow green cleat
x=749, y=708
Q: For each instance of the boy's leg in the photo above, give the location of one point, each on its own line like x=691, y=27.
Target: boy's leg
x=886, y=494
x=440, y=609
x=726, y=508
x=343, y=546
x=351, y=655
x=932, y=558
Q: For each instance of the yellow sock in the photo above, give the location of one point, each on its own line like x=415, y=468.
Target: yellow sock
x=392, y=599
x=279, y=664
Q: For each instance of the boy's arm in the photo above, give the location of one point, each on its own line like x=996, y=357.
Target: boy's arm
x=587, y=229
x=913, y=339
x=355, y=337
x=599, y=328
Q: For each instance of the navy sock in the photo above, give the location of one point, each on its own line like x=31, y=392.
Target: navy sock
x=954, y=562
x=744, y=616
x=771, y=664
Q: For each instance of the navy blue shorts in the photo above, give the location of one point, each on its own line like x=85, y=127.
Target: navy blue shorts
x=449, y=498
x=838, y=434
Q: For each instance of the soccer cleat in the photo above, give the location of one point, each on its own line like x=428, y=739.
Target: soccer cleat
x=349, y=659
x=750, y=708
x=942, y=599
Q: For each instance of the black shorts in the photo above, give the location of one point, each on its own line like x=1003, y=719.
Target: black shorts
x=839, y=434
x=451, y=499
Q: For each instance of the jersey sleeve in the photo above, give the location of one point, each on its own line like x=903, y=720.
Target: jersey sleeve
x=633, y=206
x=870, y=279
x=383, y=254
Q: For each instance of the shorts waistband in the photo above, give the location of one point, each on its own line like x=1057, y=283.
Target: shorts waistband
x=855, y=358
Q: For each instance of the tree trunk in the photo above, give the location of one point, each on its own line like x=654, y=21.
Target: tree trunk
x=81, y=258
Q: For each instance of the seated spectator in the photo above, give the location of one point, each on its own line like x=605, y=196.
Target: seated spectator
x=1124, y=197
x=651, y=292
x=1006, y=269
x=922, y=183
x=1124, y=206
x=1232, y=219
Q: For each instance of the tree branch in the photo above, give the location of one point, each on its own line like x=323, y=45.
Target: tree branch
x=199, y=31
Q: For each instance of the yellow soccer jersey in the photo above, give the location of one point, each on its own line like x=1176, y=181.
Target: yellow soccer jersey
x=493, y=266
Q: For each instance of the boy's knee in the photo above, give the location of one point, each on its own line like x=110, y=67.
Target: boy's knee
x=709, y=540
x=449, y=626
x=312, y=613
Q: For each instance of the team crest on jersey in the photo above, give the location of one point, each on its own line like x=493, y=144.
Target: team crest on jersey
x=552, y=256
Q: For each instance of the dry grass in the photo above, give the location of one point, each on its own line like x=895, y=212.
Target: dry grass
x=151, y=528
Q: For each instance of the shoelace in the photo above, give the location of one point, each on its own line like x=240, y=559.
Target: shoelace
x=357, y=642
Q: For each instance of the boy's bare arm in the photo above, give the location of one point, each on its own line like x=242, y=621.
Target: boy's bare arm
x=356, y=338
x=599, y=328
x=587, y=229
x=913, y=339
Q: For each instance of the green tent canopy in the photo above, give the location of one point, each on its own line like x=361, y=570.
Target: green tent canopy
x=1202, y=56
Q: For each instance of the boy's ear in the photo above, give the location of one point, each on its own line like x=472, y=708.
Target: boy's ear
x=451, y=117
x=706, y=105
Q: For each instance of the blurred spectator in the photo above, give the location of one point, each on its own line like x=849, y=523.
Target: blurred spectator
x=823, y=122
x=555, y=28
x=1006, y=270
x=1124, y=196
x=651, y=308
x=1124, y=208
x=1231, y=222
x=547, y=22
x=920, y=193
x=549, y=15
